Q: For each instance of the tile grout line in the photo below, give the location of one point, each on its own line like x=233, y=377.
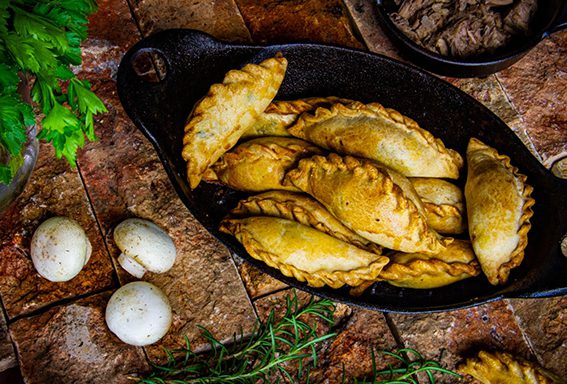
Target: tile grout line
x=250, y=300
x=525, y=336
x=243, y=20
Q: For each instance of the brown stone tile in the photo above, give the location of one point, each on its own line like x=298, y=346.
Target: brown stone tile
x=351, y=350
x=71, y=344
x=363, y=14
x=449, y=337
x=220, y=18
x=7, y=355
x=544, y=322
x=54, y=190
x=125, y=179
x=277, y=21
x=537, y=86
x=256, y=282
x=113, y=23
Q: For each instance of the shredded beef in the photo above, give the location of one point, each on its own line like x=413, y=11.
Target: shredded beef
x=463, y=28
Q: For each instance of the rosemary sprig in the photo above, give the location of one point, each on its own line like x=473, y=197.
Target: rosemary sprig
x=262, y=357
x=257, y=359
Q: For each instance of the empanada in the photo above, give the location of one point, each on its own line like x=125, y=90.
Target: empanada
x=303, y=252
x=303, y=209
x=501, y=367
x=281, y=114
x=443, y=203
x=260, y=164
x=377, y=203
x=381, y=134
x=416, y=270
x=228, y=110
x=499, y=207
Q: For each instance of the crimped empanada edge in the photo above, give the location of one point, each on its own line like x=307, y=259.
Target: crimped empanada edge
x=517, y=255
x=334, y=280
x=371, y=110
x=297, y=107
x=418, y=267
x=434, y=242
x=290, y=210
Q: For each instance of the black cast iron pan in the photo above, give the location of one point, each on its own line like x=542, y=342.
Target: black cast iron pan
x=193, y=61
x=550, y=17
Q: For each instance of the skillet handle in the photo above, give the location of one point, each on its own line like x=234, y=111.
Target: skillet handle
x=560, y=22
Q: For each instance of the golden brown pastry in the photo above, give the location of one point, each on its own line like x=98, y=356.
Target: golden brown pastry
x=260, y=164
x=228, y=110
x=282, y=114
x=381, y=134
x=416, y=270
x=303, y=209
x=443, y=203
x=375, y=202
x=499, y=207
x=304, y=253
x=503, y=368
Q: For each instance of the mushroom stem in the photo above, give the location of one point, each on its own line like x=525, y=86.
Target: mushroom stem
x=131, y=265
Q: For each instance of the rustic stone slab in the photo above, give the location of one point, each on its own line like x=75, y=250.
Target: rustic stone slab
x=113, y=23
x=7, y=354
x=449, y=337
x=54, y=190
x=537, y=87
x=351, y=350
x=220, y=18
x=71, y=344
x=125, y=179
x=322, y=21
x=544, y=321
x=256, y=282
x=363, y=14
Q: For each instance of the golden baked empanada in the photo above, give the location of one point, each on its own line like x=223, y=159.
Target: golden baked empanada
x=501, y=367
x=375, y=202
x=229, y=110
x=499, y=207
x=416, y=270
x=260, y=164
x=282, y=114
x=303, y=209
x=303, y=252
x=381, y=134
x=443, y=203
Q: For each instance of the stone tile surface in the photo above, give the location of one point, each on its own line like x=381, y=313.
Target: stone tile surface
x=7, y=354
x=257, y=283
x=362, y=13
x=71, y=344
x=125, y=179
x=351, y=350
x=54, y=190
x=544, y=322
x=451, y=336
x=220, y=18
x=275, y=21
x=537, y=87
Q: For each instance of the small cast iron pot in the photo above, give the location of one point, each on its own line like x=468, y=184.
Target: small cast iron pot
x=193, y=61
x=550, y=17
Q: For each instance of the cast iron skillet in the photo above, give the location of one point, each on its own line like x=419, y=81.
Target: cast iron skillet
x=194, y=61
x=550, y=17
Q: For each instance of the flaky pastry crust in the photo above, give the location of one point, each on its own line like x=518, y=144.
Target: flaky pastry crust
x=381, y=134
x=303, y=209
x=304, y=253
x=227, y=111
x=375, y=202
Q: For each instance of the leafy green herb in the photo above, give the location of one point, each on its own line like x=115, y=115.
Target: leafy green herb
x=41, y=39
x=262, y=356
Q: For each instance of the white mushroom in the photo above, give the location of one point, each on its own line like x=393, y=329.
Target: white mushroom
x=139, y=313
x=60, y=249
x=144, y=246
